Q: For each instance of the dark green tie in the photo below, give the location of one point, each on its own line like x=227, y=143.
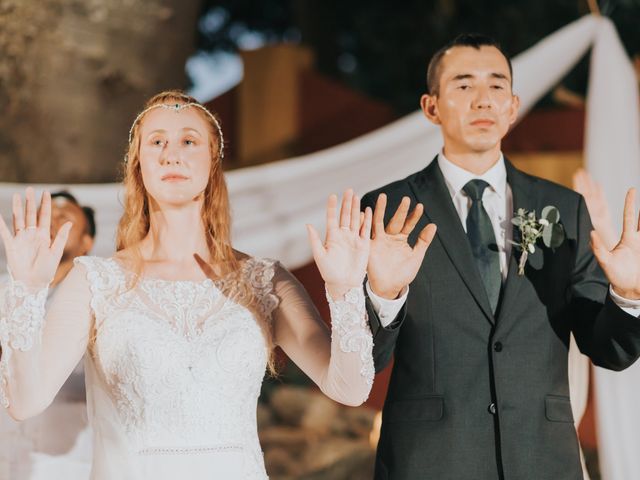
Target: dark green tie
x=483, y=241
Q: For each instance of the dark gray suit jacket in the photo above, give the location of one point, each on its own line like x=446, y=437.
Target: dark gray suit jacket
x=475, y=396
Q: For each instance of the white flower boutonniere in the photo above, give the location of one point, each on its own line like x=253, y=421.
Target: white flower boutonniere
x=531, y=229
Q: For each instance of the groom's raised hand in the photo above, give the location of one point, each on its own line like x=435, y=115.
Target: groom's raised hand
x=622, y=264
x=393, y=263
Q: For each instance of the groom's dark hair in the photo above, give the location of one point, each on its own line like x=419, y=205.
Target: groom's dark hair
x=474, y=40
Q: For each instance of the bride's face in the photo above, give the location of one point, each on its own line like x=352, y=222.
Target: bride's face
x=175, y=158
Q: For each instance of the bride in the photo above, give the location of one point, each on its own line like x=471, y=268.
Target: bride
x=177, y=325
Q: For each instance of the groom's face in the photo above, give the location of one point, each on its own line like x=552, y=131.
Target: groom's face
x=473, y=102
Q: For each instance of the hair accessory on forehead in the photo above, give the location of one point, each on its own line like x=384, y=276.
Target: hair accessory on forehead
x=177, y=107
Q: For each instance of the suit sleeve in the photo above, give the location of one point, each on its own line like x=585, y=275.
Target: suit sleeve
x=384, y=338
x=606, y=333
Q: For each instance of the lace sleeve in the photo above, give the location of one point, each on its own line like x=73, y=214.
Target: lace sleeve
x=21, y=322
x=41, y=348
x=350, y=328
x=340, y=362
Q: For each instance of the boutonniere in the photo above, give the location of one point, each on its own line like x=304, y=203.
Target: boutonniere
x=532, y=228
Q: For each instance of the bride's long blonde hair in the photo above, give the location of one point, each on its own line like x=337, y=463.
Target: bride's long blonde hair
x=135, y=222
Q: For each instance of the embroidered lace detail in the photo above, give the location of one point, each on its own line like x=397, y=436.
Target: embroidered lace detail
x=190, y=450
x=260, y=276
x=350, y=327
x=258, y=273
x=21, y=324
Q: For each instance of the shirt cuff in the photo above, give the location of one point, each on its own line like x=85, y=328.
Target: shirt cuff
x=632, y=307
x=387, y=310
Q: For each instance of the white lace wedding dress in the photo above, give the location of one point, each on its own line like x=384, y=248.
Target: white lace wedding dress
x=174, y=368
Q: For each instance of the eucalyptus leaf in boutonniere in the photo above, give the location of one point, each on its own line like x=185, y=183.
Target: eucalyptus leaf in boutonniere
x=531, y=229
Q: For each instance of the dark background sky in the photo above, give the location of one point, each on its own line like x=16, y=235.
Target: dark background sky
x=381, y=47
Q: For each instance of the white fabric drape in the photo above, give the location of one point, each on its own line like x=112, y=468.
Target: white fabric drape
x=271, y=203
x=612, y=150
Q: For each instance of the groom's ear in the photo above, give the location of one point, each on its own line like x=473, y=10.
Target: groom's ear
x=429, y=107
x=515, y=108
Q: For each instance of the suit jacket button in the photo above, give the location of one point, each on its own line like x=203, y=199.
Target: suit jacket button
x=492, y=409
x=497, y=346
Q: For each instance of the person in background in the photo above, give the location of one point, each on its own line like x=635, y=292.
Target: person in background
x=53, y=432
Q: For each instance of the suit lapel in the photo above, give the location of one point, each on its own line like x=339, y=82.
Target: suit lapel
x=523, y=197
x=430, y=189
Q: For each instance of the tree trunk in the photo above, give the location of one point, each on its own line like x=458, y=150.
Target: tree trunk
x=73, y=75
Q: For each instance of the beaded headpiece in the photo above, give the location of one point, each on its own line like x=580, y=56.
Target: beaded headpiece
x=177, y=107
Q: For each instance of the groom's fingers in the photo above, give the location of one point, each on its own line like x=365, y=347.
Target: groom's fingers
x=413, y=219
x=378, y=215
x=600, y=251
x=629, y=216
x=397, y=221
x=424, y=240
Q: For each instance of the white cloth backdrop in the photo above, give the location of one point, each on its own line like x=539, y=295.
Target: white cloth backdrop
x=271, y=203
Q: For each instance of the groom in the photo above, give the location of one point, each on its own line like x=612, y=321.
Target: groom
x=479, y=384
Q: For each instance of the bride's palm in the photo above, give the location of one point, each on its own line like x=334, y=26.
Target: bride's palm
x=342, y=258
x=32, y=256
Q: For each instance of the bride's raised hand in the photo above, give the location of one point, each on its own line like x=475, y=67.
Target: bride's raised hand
x=32, y=255
x=342, y=257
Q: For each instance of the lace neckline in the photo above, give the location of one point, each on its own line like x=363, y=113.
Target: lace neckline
x=144, y=279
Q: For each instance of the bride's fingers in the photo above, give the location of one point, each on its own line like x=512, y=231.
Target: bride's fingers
x=44, y=217
x=18, y=214
x=355, y=214
x=345, y=209
x=332, y=205
x=31, y=208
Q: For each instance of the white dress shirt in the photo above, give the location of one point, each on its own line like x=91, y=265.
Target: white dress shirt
x=497, y=199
